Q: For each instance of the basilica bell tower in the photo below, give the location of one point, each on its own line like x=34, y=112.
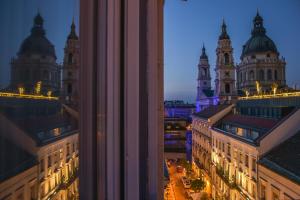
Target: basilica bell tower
x=71, y=68
x=225, y=70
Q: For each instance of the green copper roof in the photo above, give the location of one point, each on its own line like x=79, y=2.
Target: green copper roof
x=259, y=41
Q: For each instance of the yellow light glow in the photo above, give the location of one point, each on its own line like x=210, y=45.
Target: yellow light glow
x=49, y=93
x=274, y=88
x=270, y=96
x=21, y=90
x=258, y=87
x=38, y=87
x=26, y=96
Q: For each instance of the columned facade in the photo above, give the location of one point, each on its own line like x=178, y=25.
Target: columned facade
x=36, y=62
x=260, y=62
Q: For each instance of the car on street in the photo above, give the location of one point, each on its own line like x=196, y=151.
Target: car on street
x=179, y=169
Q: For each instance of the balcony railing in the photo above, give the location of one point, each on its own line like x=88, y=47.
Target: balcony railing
x=224, y=175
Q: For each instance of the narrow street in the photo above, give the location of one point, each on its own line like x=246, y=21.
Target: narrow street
x=175, y=179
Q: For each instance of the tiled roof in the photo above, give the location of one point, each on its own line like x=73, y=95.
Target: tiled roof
x=250, y=121
x=211, y=111
x=13, y=159
x=44, y=121
x=285, y=158
x=44, y=129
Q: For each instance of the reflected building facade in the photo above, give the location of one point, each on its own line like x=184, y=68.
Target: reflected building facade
x=36, y=62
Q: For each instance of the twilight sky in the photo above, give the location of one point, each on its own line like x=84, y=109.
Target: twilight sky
x=189, y=24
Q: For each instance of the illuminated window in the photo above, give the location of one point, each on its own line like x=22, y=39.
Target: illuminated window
x=60, y=153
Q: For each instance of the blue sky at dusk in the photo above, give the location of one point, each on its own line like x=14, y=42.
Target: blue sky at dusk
x=189, y=24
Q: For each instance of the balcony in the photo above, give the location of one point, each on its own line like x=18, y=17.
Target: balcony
x=224, y=175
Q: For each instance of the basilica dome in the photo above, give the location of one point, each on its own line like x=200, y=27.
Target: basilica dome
x=259, y=41
x=37, y=43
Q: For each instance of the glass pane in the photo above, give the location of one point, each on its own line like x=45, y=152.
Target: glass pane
x=39, y=66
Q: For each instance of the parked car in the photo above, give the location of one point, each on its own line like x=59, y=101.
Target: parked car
x=179, y=169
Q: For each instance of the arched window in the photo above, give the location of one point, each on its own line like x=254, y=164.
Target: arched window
x=204, y=72
x=36, y=75
x=261, y=75
x=227, y=88
x=275, y=75
x=269, y=74
x=26, y=75
x=251, y=75
x=241, y=77
x=70, y=58
x=226, y=59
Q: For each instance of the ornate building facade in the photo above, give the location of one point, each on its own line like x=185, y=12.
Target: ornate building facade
x=43, y=139
x=260, y=62
x=225, y=70
x=71, y=68
x=36, y=62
